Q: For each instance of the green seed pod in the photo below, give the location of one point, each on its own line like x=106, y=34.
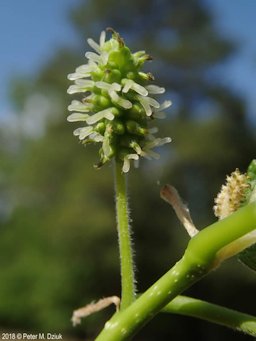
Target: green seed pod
x=131, y=75
x=112, y=76
x=135, y=113
x=100, y=128
x=120, y=58
x=116, y=112
x=118, y=127
x=134, y=128
x=101, y=101
x=97, y=75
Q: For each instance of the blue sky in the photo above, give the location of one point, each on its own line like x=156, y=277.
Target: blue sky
x=30, y=31
x=27, y=43
x=236, y=20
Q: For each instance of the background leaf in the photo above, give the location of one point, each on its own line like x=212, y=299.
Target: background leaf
x=248, y=256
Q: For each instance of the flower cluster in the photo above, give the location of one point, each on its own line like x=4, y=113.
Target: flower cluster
x=117, y=106
x=232, y=194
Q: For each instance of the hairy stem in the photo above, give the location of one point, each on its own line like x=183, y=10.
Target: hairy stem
x=230, y=318
x=125, y=245
x=198, y=260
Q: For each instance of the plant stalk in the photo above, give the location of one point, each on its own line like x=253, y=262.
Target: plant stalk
x=230, y=318
x=197, y=261
x=124, y=236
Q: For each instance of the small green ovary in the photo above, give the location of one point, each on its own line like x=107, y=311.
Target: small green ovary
x=101, y=101
x=112, y=76
x=121, y=60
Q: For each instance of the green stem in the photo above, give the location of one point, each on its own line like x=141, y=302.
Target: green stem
x=125, y=245
x=206, y=244
x=188, y=306
x=197, y=261
x=124, y=324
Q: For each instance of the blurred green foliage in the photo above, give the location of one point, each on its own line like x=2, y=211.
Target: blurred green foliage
x=58, y=243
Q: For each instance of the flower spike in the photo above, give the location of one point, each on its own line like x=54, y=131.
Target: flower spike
x=117, y=108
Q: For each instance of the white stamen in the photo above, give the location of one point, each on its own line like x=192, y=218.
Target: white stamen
x=133, y=156
x=91, y=66
x=106, y=147
x=102, y=38
x=126, y=164
x=119, y=100
x=130, y=84
x=145, y=105
x=158, y=142
x=139, y=54
x=93, y=57
x=155, y=90
x=72, y=89
x=78, y=106
x=104, y=57
x=136, y=147
x=106, y=113
x=83, y=132
x=164, y=105
x=109, y=115
x=76, y=75
x=158, y=112
x=83, y=71
x=93, y=45
x=139, y=89
x=96, y=137
x=77, y=117
x=81, y=85
x=84, y=83
x=153, y=102
x=127, y=86
x=108, y=86
x=149, y=154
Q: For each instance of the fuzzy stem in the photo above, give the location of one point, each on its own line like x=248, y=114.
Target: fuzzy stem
x=188, y=306
x=197, y=261
x=125, y=244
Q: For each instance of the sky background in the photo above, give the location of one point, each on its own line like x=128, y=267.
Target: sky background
x=27, y=44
